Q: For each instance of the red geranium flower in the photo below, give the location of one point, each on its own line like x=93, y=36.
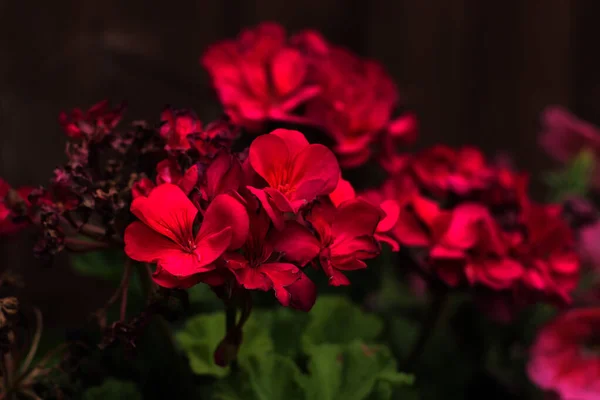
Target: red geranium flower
x=547, y=251
x=469, y=245
x=165, y=233
x=92, y=124
x=295, y=172
x=344, y=191
x=177, y=127
x=355, y=104
x=565, y=356
x=258, y=267
x=259, y=75
x=342, y=238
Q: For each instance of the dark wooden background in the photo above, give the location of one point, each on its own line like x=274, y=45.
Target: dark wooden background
x=475, y=71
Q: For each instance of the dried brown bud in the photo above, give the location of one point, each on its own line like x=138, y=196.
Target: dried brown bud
x=9, y=306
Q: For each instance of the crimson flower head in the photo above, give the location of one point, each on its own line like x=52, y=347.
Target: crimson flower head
x=177, y=126
x=295, y=172
x=259, y=75
x=92, y=124
x=340, y=237
x=468, y=246
x=565, y=357
x=258, y=267
x=547, y=252
x=442, y=170
x=165, y=234
x=356, y=101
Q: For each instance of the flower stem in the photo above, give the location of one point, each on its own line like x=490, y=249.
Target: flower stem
x=230, y=325
x=8, y=370
x=435, y=311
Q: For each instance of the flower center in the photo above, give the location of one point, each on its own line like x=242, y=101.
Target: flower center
x=286, y=188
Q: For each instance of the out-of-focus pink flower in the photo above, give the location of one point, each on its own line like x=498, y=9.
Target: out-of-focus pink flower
x=565, y=356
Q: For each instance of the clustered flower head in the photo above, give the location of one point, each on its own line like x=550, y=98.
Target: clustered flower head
x=565, y=357
x=183, y=197
x=263, y=75
x=254, y=224
x=471, y=225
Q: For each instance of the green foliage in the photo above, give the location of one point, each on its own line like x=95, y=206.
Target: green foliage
x=337, y=320
x=203, y=333
x=574, y=179
x=113, y=389
x=332, y=339
x=105, y=264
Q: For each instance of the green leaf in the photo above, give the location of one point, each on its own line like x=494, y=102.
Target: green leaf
x=113, y=389
x=263, y=377
x=106, y=264
x=336, y=320
x=574, y=179
x=352, y=372
x=203, y=333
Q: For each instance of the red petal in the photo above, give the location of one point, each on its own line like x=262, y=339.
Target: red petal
x=163, y=278
x=288, y=70
x=167, y=210
x=255, y=77
x=280, y=201
x=281, y=274
x=295, y=141
x=296, y=243
x=392, y=212
x=269, y=156
x=315, y=163
x=223, y=175
x=355, y=218
x=222, y=213
x=253, y=278
x=144, y=244
x=189, y=179
x=343, y=191
x=303, y=293
x=274, y=214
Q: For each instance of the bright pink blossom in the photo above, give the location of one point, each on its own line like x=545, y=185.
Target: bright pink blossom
x=165, y=233
x=259, y=75
x=295, y=172
x=565, y=357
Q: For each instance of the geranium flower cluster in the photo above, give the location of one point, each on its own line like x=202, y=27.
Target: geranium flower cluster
x=253, y=221
x=244, y=220
x=264, y=76
x=471, y=225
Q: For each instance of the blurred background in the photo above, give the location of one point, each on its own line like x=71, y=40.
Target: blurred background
x=476, y=72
